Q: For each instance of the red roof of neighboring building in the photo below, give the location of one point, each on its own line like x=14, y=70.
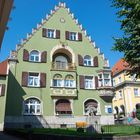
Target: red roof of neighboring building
x=3, y=67
x=120, y=66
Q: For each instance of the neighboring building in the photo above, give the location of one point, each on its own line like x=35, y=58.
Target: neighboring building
x=127, y=90
x=3, y=87
x=5, y=8
x=58, y=76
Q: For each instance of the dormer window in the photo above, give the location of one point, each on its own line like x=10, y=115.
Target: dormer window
x=34, y=56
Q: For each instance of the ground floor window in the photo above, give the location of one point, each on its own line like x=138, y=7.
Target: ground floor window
x=32, y=106
x=63, y=107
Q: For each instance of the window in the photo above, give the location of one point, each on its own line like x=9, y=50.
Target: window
x=34, y=79
x=88, y=61
x=32, y=106
x=114, y=82
x=61, y=62
x=120, y=94
x=69, y=81
x=63, y=107
x=89, y=82
x=136, y=92
x=57, y=81
x=34, y=56
x=120, y=80
x=51, y=33
x=104, y=79
x=73, y=36
x=108, y=109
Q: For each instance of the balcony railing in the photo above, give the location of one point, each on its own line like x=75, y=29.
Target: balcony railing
x=63, y=92
x=106, y=93
x=63, y=66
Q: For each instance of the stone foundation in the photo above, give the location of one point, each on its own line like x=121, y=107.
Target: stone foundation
x=55, y=121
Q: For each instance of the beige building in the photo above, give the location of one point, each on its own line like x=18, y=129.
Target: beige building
x=127, y=90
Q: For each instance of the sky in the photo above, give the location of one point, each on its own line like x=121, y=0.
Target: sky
x=96, y=16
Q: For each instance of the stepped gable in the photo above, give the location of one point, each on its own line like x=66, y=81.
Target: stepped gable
x=48, y=17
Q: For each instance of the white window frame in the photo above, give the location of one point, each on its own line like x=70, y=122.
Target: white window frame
x=71, y=83
x=51, y=33
x=34, y=56
x=106, y=109
x=103, y=78
x=73, y=36
x=32, y=104
x=34, y=78
x=89, y=82
x=59, y=83
x=86, y=61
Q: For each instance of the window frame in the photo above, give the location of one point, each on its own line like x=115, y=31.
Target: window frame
x=73, y=36
x=34, y=78
x=89, y=82
x=34, y=105
x=87, y=60
x=34, y=56
x=137, y=92
x=51, y=33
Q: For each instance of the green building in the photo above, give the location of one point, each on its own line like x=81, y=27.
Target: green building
x=58, y=77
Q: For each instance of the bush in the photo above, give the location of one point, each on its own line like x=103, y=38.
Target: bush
x=80, y=129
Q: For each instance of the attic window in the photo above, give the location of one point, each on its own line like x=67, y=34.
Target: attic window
x=73, y=36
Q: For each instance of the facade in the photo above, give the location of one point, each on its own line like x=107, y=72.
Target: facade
x=3, y=87
x=58, y=76
x=5, y=8
x=127, y=90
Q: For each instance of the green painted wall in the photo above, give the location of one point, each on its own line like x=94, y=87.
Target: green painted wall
x=3, y=80
x=17, y=93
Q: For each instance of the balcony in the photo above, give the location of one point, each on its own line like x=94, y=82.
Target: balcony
x=63, y=92
x=106, y=93
x=63, y=66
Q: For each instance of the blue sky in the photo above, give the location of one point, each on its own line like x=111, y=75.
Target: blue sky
x=96, y=16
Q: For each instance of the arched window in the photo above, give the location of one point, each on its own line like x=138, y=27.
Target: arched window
x=63, y=106
x=69, y=81
x=88, y=61
x=91, y=107
x=61, y=62
x=34, y=56
x=57, y=80
x=32, y=106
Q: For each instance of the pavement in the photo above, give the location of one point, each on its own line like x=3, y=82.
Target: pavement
x=4, y=136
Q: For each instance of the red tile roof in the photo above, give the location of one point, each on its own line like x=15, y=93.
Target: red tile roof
x=3, y=67
x=120, y=66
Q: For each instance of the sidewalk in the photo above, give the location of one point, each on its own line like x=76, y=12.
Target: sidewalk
x=4, y=136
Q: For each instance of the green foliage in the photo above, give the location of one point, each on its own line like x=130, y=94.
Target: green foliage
x=129, y=43
x=138, y=113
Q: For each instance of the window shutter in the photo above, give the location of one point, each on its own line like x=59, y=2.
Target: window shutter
x=58, y=34
x=96, y=81
x=96, y=61
x=24, y=79
x=42, y=79
x=44, y=57
x=44, y=32
x=80, y=36
x=82, y=81
x=80, y=60
x=25, y=55
x=67, y=35
x=3, y=90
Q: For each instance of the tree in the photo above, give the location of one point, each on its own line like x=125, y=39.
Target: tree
x=129, y=17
